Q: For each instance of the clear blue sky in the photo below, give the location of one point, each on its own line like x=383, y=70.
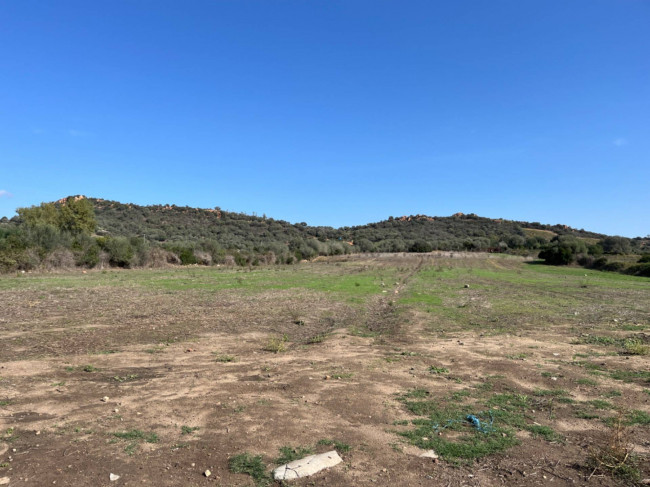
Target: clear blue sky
x=333, y=112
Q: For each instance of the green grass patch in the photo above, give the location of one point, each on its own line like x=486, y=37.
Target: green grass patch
x=600, y=340
x=250, y=465
x=224, y=358
x=137, y=435
x=550, y=392
x=600, y=404
x=582, y=414
x=545, y=432
x=188, y=430
x=289, y=454
x=338, y=445
x=438, y=370
x=631, y=375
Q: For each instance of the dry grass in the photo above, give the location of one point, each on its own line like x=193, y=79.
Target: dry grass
x=615, y=457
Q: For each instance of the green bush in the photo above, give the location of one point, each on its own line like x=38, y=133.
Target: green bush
x=120, y=252
x=557, y=255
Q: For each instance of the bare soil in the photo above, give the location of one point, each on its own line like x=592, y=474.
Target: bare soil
x=198, y=359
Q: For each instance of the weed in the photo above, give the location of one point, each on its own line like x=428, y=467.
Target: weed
x=4, y=403
x=459, y=396
x=612, y=393
x=317, y=338
x=277, y=344
x=137, y=435
x=631, y=375
x=565, y=400
x=634, y=346
x=188, y=430
x=600, y=404
x=289, y=454
x=587, y=382
x=600, y=340
x=58, y=384
x=250, y=465
x=125, y=378
x=342, y=375
x=362, y=332
x=104, y=352
x=438, y=370
x=401, y=422
x=131, y=448
x=134, y=437
x=225, y=358
x=550, y=392
x=9, y=435
x=158, y=349
x=637, y=417
x=509, y=402
x=519, y=356
x=417, y=393
x=396, y=447
x=338, y=445
x=89, y=368
x=615, y=457
x=4, y=465
x=585, y=415
x=545, y=432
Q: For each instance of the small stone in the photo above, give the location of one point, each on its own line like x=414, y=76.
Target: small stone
x=193, y=465
x=38, y=432
x=466, y=286
x=113, y=477
x=105, y=399
x=553, y=378
x=116, y=410
x=207, y=473
x=4, y=480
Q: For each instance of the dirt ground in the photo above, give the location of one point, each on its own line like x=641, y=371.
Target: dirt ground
x=157, y=383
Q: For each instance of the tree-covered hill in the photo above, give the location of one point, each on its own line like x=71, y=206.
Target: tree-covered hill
x=91, y=231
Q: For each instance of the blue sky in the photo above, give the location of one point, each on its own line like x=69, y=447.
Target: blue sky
x=333, y=112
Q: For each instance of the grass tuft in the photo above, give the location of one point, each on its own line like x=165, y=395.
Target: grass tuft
x=251, y=465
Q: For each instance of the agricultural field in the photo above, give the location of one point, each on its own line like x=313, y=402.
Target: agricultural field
x=512, y=372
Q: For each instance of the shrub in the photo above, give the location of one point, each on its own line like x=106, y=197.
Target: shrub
x=557, y=255
x=61, y=259
x=119, y=250
x=202, y=257
x=421, y=246
x=639, y=270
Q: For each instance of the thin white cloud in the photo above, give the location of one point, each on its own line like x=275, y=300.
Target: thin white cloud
x=5, y=194
x=620, y=142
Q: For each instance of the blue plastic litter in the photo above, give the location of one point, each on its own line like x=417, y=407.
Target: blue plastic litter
x=483, y=427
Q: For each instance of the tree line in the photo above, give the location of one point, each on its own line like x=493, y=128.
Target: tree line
x=87, y=232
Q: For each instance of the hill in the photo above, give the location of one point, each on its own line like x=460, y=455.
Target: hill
x=93, y=231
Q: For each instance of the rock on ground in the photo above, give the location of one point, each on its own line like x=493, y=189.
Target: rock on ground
x=307, y=466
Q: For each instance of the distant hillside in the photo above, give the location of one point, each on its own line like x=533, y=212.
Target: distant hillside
x=90, y=231
x=170, y=223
